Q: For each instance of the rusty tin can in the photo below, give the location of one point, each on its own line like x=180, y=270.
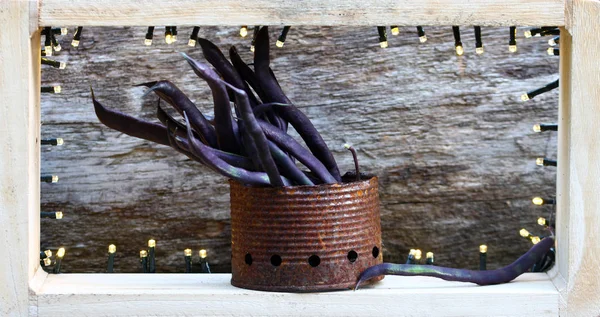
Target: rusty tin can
x=304, y=238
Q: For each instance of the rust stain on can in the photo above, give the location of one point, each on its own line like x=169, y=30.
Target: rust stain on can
x=304, y=238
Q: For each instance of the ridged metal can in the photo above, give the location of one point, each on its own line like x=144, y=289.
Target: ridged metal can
x=304, y=238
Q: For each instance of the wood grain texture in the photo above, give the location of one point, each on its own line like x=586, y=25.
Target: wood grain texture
x=448, y=136
x=580, y=211
x=185, y=295
x=307, y=12
x=19, y=156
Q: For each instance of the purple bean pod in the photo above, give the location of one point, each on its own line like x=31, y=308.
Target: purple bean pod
x=287, y=166
x=490, y=277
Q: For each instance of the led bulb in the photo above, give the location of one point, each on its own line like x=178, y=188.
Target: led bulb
x=62, y=65
x=60, y=253
x=524, y=233
x=252, y=48
x=537, y=128
x=244, y=31
x=64, y=31
x=535, y=239
x=59, y=215
x=524, y=97
x=174, y=37
x=60, y=141
x=479, y=50
x=418, y=254
x=483, y=248
x=57, y=48
x=459, y=50
x=169, y=39
x=112, y=248
x=143, y=253
x=202, y=253
x=48, y=50
x=54, y=178
x=279, y=43
x=48, y=253
x=148, y=42
x=192, y=43
x=527, y=34
x=75, y=43
x=552, y=42
x=537, y=201
x=383, y=44
x=541, y=221
x=412, y=252
x=395, y=31
x=151, y=243
x=512, y=48
x=539, y=161
x=423, y=38
x=47, y=261
x=429, y=255
x=187, y=252
x=550, y=51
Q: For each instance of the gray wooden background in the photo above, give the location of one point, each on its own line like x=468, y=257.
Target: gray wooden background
x=448, y=137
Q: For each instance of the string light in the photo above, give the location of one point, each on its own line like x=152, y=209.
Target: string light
x=51, y=214
x=194, y=36
x=541, y=127
x=544, y=222
x=539, y=91
x=383, y=42
x=418, y=255
x=244, y=31
x=49, y=178
x=204, y=267
x=512, y=42
x=51, y=89
x=174, y=32
x=282, y=36
x=144, y=260
x=421, y=34
x=478, y=43
x=111, y=258
x=429, y=258
x=187, y=255
x=149, y=36
x=411, y=256
x=60, y=254
x=48, y=41
x=55, y=43
x=45, y=254
x=395, y=30
x=483, y=257
x=540, y=161
x=53, y=63
x=151, y=256
x=554, y=41
x=539, y=201
x=553, y=51
x=55, y=31
x=254, y=36
x=77, y=37
x=55, y=142
x=458, y=47
x=169, y=35
x=543, y=31
x=47, y=261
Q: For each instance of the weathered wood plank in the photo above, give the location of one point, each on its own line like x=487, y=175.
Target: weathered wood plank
x=448, y=136
x=307, y=12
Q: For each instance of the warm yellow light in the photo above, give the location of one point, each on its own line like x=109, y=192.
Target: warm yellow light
x=60, y=253
x=535, y=239
x=252, y=48
x=59, y=215
x=48, y=50
x=524, y=97
x=64, y=31
x=527, y=34
x=57, y=89
x=537, y=201
x=58, y=48
x=418, y=254
x=541, y=221
x=148, y=42
x=524, y=233
x=75, y=43
x=412, y=252
x=169, y=39
x=279, y=43
x=143, y=253
x=483, y=248
x=537, y=128
x=539, y=161
x=192, y=43
x=151, y=243
x=423, y=38
x=187, y=252
x=459, y=50
x=550, y=51
x=59, y=141
x=54, y=178
x=244, y=31
x=47, y=261
x=202, y=254
x=62, y=65
x=552, y=42
x=112, y=248
x=512, y=48
x=429, y=255
x=383, y=44
x=48, y=253
x=395, y=31
x=174, y=37
x=479, y=50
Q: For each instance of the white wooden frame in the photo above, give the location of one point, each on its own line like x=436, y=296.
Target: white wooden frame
x=572, y=287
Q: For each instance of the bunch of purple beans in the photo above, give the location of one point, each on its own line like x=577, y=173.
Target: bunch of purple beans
x=253, y=147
